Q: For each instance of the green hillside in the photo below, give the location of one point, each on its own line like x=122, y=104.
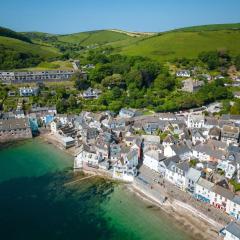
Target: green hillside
x=94, y=37
x=24, y=47
x=179, y=44
x=212, y=27
x=5, y=32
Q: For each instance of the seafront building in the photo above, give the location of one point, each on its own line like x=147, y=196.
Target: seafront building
x=14, y=129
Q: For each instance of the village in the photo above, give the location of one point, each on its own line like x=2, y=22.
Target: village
x=188, y=159
x=161, y=154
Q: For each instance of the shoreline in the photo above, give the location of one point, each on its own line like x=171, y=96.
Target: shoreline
x=189, y=218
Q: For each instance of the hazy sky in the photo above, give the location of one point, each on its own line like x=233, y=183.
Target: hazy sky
x=68, y=16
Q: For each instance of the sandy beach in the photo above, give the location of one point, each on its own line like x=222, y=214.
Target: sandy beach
x=52, y=139
x=201, y=227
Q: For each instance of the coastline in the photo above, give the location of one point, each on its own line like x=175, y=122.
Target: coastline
x=189, y=218
x=50, y=138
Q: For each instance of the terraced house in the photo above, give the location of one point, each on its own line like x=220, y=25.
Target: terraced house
x=36, y=76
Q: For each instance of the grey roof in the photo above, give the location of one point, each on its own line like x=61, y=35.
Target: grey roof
x=175, y=159
x=230, y=117
x=234, y=229
x=197, y=133
x=223, y=192
x=215, y=131
x=180, y=148
x=181, y=167
x=211, y=121
x=13, y=124
x=209, y=150
x=236, y=199
x=217, y=144
x=205, y=183
x=193, y=174
x=155, y=155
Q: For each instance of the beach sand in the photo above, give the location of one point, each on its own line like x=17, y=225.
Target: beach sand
x=189, y=218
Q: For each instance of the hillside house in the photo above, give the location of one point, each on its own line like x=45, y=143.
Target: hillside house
x=183, y=73
x=190, y=85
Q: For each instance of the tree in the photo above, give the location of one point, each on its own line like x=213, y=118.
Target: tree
x=149, y=70
x=237, y=62
x=164, y=81
x=80, y=82
x=72, y=102
x=135, y=78
x=113, y=81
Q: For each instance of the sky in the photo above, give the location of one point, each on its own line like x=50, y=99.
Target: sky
x=70, y=16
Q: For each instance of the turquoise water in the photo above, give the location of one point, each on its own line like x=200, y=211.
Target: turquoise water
x=35, y=203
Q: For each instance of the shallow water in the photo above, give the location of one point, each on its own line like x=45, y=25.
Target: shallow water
x=35, y=204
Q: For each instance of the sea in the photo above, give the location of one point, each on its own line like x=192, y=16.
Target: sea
x=38, y=203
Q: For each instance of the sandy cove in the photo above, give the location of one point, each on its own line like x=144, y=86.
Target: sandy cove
x=189, y=218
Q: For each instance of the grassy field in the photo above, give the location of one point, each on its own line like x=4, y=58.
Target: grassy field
x=59, y=65
x=212, y=27
x=21, y=46
x=95, y=37
x=178, y=44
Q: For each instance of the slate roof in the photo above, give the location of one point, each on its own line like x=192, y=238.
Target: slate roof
x=223, y=192
x=13, y=124
x=175, y=159
x=205, y=148
x=155, y=155
x=180, y=148
x=193, y=174
x=234, y=229
x=236, y=199
x=211, y=121
x=205, y=183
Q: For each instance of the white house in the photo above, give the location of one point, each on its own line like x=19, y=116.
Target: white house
x=228, y=167
x=183, y=73
x=87, y=157
x=125, y=168
x=233, y=207
x=192, y=178
x=219, y=197
x=176, y=174
x=203, y=190
x=127, y=113
x=195, y=120
x=197, y=136
x=62, y=118
x=152, y=158
x=55, y=125
x=181, y=149
x=206, y=153
x=28, y=91
x=91, y=93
